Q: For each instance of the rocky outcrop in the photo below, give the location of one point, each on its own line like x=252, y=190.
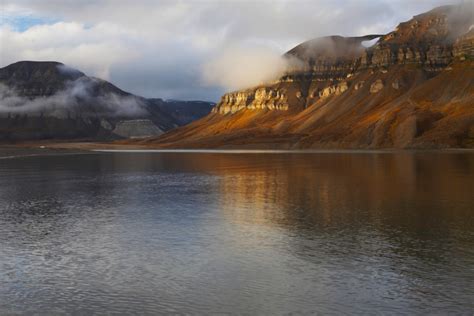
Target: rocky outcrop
x=334, y=90
x=464, y=46
x=396, y=84
x=376, y=86
x=359, y=85
x=427, y=39
x=256, y=99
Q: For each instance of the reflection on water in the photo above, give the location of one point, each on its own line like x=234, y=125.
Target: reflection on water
x=246, y=233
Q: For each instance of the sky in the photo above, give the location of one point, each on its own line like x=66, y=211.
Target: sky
x=189, y=50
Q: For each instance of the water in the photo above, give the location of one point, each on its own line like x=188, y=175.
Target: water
x=147, y=233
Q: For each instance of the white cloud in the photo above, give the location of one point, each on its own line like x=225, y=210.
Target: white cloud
x=243, y=67
x=159, y=48
x=94, y=50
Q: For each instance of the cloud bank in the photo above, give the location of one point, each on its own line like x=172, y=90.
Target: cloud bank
x=76, y=99
x=181, y=49
x=238, y=68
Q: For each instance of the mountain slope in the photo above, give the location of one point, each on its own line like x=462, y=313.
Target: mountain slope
x=413, y=88
x=41, y=100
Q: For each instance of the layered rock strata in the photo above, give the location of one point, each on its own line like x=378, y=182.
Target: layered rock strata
x=431, y=41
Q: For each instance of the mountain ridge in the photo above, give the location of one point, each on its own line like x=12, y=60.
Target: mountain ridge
x=413, y=89
x=49, y=100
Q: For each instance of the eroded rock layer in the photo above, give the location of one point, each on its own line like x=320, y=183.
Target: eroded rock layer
x=431, y=41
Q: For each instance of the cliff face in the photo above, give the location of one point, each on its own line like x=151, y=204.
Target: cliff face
x=271, y=98
x=413, y=88
x=431, y=41
x=464, y=47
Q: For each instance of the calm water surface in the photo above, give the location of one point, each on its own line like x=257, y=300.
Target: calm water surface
x=148, y=233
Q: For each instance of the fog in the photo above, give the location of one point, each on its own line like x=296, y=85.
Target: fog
x=76, y=99
x=238, y=68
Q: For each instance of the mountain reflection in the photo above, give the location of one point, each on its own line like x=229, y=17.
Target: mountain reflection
x=329, y=189
x=198, y=228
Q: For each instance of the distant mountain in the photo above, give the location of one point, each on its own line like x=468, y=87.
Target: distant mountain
x=413, y=88
x=48, y=100
x=184, y=112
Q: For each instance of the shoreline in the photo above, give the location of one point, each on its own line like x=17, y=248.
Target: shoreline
x=11, y=152
x=29, y=149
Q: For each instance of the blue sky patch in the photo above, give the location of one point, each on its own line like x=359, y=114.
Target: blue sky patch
x=21, y=23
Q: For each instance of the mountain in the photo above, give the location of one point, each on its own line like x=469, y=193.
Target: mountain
x=184, y=112
x=49, y=100
x=413, y=88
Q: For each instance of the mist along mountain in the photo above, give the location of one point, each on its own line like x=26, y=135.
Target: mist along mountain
x=414, y=88
x=48, y=100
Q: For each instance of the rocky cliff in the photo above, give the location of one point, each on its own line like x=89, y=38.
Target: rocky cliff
x=431, y=41
x=412, y=88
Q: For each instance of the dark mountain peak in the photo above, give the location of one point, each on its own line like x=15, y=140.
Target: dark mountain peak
x=45, y=78
x=39, y=70
x=36, y=78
